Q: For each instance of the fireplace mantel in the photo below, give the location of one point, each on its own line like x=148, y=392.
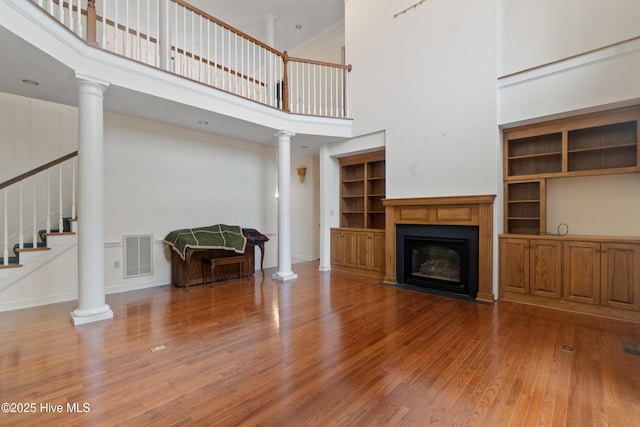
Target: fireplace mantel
x=457, y=210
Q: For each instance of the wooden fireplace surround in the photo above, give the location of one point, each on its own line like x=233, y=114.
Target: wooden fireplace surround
x=458, y=210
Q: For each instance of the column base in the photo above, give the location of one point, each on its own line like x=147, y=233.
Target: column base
x=284, y=277
x=81, y=317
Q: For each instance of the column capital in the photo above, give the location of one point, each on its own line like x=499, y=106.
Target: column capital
x=283, y=132
x=88, y=81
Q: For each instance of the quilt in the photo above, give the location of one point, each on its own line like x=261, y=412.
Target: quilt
x=219, y=236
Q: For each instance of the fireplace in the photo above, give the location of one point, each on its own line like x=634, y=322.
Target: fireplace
x=457, y=212
x=438, y=258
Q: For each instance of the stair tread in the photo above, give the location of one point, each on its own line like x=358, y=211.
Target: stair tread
x=10, y=265
x=39, y=248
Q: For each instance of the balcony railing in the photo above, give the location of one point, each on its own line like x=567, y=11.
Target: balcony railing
x=179, y=38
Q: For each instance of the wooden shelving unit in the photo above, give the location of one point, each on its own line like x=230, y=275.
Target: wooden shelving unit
x=568, y=272
x=362, y=189
x=524, y=207
x=593, y=144
x=358, y=246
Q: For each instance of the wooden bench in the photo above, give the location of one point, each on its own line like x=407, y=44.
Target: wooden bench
x=241, y=260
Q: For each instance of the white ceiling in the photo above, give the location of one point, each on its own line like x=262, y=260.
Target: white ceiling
x=58, y=83
x=314, y=17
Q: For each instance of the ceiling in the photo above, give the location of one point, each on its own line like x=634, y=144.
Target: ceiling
x=58, y=83
x=313, y=16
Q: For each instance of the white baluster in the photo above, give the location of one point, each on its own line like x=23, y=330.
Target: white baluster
x=235, y=52
x=48, y=200
x=61, y=11
x=60, y=207
x=21, y=233
x=193, y=44
x=148, y=43
x=70, y=15
x=115, y=28
x=51, y=10
x=35, y=213
x=73, y=188
x=127, y=36
x=215, y=54
x=79, y=19
x=200, y=63
x=184, y=42
x=6, y=230
x=138, y=35
x=297, y=87
x=104, y=24
x=208, y=52
x=175, y=41
x=346, y=92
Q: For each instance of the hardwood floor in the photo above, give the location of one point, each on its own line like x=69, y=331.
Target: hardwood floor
x=328, y=349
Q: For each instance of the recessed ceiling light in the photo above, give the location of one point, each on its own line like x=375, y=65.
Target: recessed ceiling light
x=304, y=147
x=298, y=27
x=203, y=122
x=30, y=82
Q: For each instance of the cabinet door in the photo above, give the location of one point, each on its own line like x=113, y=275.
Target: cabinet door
x=545, y=268
x=514, y=265
x=371, y=251
x=343, y=248
x=620, y=271
x=582, y=272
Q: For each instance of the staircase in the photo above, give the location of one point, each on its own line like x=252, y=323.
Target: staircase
x=30, y=203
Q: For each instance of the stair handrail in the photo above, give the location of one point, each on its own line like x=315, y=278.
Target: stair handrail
x=5, y=187
x=37, y=170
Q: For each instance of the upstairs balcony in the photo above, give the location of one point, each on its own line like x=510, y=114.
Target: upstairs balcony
x=175, y=37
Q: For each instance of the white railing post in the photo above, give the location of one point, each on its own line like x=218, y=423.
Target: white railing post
x=60, y=207
x=48, y=200
x=35, y=212
x=73, y=188
x=164, y=35
x=21, y=231
x=6, y=230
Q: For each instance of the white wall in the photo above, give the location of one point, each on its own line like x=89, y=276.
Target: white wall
x=606, y=205
x=304, y=208
x=539, y=32
x=596, y=68
x=34, y=132
x=160, y=178
x=326, y=46
x=428, y=78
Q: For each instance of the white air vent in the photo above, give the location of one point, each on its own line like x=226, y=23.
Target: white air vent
x=138, y=257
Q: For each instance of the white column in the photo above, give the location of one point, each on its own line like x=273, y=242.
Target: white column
x=284, y=272
x=269, y=25
x=91, y=293
x=164, y=35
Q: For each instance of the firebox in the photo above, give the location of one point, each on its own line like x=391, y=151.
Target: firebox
x=438, y=258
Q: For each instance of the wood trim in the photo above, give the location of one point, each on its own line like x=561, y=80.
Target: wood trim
x=426, y=211
x=572, y=306
x=323, y=63
x=227, y=26
x=38, y=170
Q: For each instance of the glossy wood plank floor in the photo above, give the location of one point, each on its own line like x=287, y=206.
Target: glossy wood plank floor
x=328, y=349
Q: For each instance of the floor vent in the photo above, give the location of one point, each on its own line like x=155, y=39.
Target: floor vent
x=138, y=255
x=630, y=348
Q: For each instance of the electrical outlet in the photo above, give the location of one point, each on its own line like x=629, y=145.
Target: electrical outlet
x=116, y=264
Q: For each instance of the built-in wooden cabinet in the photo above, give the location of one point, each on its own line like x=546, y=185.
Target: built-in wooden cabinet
x=344, y=247
x=358, y=246
x=594, y=274
x=532, y=267
x=358, y=251
x=589, y=274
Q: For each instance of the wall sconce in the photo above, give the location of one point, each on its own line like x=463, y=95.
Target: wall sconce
x=301, y=173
